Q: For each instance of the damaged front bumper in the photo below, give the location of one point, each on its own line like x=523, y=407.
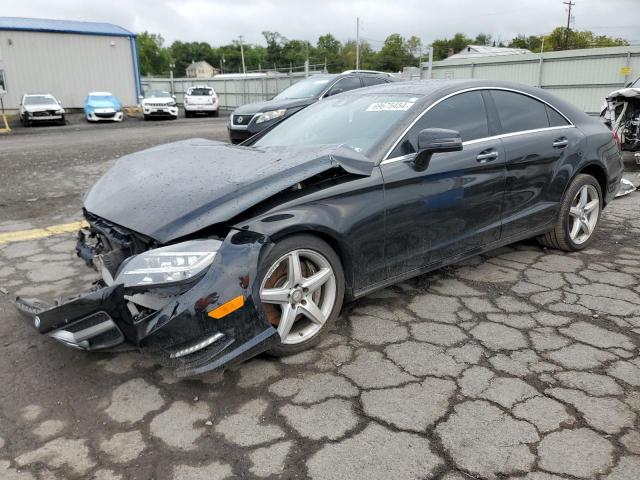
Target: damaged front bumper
x=180, y=329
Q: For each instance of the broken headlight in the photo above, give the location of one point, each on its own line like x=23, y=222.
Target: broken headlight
x=168, y=265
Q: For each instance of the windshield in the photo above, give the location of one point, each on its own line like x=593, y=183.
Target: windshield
x=311, y=87
x=200, y=92
x=357, y=121
x=156, y=94
x=39, y=100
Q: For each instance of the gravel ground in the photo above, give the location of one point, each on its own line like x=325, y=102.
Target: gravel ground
x=523, y=363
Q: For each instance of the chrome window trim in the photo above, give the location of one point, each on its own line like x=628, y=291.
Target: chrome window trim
x=483, y=139
x=415, y=120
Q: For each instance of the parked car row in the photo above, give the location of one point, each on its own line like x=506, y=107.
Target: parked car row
x=105, y=106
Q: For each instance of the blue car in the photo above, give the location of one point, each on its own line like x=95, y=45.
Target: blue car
x=100, y=106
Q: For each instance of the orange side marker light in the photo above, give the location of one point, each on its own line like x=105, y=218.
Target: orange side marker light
x=227, y=308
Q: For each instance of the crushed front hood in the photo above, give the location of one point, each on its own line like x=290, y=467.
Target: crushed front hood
x=624, y=93
x=172, y=190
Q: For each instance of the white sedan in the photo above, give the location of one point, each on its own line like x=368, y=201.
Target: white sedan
x=159, y=103
x=41, y=107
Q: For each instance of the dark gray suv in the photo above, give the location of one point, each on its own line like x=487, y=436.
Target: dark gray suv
x=247, y=120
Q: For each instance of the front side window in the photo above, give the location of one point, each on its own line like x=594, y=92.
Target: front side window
x=357, y=121
x=344, y=85
x=519, y=112
x=464, y=112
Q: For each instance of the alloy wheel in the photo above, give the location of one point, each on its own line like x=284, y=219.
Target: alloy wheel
x=300, y=289
x=583, y=214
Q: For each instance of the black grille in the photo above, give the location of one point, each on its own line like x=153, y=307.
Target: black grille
x=44, y=114
x=105, y=115
x=242, y=119
x=88, y=322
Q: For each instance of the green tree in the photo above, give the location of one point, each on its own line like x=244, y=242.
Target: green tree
x=367, y=55
x=394, y=54
x=329, y=49
x=152, y=55
x=532, y=43
x=275, y=43
x=482, y=39
x=183, y=53
x=442, y=47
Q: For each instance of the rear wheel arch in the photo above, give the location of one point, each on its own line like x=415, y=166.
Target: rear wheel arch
x=598, y=172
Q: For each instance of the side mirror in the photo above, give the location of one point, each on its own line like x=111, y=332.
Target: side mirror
x=140, y=97
x=436, y=140
x=173, y=96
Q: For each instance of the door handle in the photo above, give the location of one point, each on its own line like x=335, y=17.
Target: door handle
x=560, y=142
x=487, y=156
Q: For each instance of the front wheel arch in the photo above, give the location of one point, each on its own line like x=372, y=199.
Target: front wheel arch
x=341, y=249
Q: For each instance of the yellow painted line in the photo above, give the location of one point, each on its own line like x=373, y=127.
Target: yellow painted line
x=22, y=235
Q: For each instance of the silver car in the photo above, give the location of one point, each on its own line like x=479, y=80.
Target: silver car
x=39, y=108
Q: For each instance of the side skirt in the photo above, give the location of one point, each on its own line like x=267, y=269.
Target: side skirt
x=442, y=263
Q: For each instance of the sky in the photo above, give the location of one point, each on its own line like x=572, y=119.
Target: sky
x=221, y=21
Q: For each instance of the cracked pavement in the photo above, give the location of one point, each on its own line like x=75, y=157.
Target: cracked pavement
x=523, y=363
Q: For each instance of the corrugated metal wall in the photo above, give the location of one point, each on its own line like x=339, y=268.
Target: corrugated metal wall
x=232, y=92
x=66, y=65
x=583, y=77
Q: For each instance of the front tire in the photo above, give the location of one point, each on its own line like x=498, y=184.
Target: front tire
x=301, y=290
x=578, y=217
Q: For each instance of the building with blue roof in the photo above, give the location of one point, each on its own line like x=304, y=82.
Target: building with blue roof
x=68, y=59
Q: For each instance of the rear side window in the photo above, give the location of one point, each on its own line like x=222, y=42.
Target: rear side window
x=519, y=112
x=344, y=85
x=555, y=119
x=368, y=81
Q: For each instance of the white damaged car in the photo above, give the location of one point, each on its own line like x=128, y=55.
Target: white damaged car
x=41, y=108
x=158, y=103
x=621, y=113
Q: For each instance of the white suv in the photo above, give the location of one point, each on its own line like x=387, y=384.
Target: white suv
x=200, y=98
x=159, y=103
x=40, y=107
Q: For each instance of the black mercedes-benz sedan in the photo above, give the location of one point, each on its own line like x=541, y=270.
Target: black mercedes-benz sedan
x=247, y=120
x=211, y=253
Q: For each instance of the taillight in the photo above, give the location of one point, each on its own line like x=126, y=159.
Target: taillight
x=616, y=137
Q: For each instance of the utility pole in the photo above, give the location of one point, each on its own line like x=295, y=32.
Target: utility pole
x=357, y=43
x=566, y=33
x=244, y=67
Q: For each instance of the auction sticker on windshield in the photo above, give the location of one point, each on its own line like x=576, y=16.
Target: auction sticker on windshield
x=389, y=106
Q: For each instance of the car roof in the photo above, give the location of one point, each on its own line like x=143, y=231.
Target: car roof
x=100, y=94
x=431, y=90
x=38, y=95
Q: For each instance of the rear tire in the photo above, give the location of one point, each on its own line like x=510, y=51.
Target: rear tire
x=302, y=289
x=578, y=217
x=187, y=114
